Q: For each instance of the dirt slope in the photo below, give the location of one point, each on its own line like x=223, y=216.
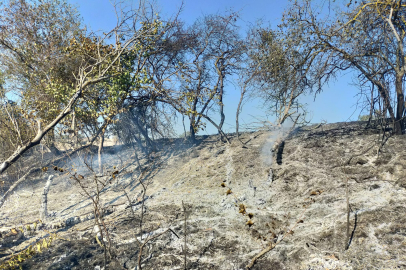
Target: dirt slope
x=300, y=185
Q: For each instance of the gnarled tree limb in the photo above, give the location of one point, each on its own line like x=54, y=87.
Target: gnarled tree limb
x=16, y=184
x=41, y=133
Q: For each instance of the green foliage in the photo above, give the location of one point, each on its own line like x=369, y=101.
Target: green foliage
x=365, y=37
x=364, y=117
x=184, y=135
x=36, y=65
x=47, y=59
x=15, y=261
x=279, y=68
x=16, y=128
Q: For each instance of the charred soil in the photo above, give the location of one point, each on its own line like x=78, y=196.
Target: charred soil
x=288, y=193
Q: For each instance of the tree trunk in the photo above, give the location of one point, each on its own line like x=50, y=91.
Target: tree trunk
x=184, y=128
x=371, y=109
x=222, y=116
x=400, y=106
x=192, y=129
x=386, y=102
x=143, y=131
x=51, y=143
x=218, y=128
x=237, y=115
x=44, y=204
x=16, y=184
x=74, y=134
x=139, y=143
x=193, y=123
x=99, y=152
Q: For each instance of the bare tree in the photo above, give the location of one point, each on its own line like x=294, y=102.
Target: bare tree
x=366, y=37
x=227, y=51
x=190, y=72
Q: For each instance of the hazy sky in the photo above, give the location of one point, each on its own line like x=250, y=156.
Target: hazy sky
x=334, y=104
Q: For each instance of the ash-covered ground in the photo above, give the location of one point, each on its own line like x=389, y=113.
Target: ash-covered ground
x=285, y=195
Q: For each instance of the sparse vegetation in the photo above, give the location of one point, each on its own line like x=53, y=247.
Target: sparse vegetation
x=65, y=90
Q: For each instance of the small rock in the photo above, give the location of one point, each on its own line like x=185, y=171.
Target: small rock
x=90, y=216
x=219, y=152
x=270, y=176
x=227, y=206
x=193, y=154
x=72, y=221
x=261, y=202
x=180, y=182
x=61, y=257
x=96, y=230
x=108, y=210
x=360, y=161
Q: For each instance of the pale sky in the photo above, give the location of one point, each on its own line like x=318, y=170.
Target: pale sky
x=335, y=104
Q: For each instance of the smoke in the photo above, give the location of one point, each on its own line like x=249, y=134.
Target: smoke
x=277, y=135
x=89, y=164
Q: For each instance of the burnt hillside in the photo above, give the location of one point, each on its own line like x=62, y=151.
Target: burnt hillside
x=283, y=196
